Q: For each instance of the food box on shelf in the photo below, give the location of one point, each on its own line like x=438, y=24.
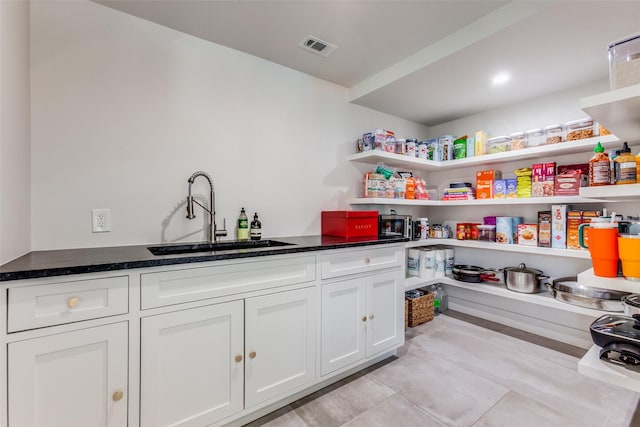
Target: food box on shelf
x=349, y=223
x=544, y=229
x=559, y=226
x=528, y=234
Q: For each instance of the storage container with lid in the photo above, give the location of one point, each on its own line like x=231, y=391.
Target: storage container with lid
x=518, y=140
x=487, y=233
x=499, y=144
x=580, y=129
x=624, y=62
x=536, y=137
x=554, y=133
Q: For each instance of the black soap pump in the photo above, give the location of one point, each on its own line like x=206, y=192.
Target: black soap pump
x=255, y=232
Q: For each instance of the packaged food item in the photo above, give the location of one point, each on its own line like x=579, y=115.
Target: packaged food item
x=625, y=166
x=434, y=150
x=480, y=139
x=518, y=141
x=544, y=229
x=413, y=262
x=412, y=147
x=599, y=167
x=446, y=146
x=569, y=183
x=536, y=137
x=489, y=174
x=499, y=189
x=528, y=234
x=580, y=129
x=543, y=179
x=367, y=141
x=586, y=217
x=559, y=226
x=460, y=148
x=410, y=188
x=512, y=187
x=471, y=146
x=380, y=138
x=524, y=180
x=401, y=146
x=554, y=133
x=504, y=229
x=484, y=189
x=375, y=185
x=423, y=150
x=624, y=62
x=574, y=219
x=486, y=233
x=499, y=144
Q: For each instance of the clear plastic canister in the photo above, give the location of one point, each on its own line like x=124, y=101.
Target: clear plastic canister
x=554, y=133
x=518, y=140
x=579, y=129
x=624, y=62
x=536, y=137
x=499, y=144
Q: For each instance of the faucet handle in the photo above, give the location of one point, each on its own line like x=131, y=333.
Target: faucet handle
x=223, y=231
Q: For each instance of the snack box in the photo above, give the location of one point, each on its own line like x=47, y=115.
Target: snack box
x=504, y=229
x=512, y=188
x=559, y=226
x=574, y=219
x=568, y=184
x=487, y=175
x=528, y=234
x=499, y=189
x=544, y=229
x=484, y=189
x=349, y=223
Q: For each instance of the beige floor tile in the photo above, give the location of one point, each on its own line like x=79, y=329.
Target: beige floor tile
x=515, y=409
x=448, y=392
x=342, y=404
x=395, y=411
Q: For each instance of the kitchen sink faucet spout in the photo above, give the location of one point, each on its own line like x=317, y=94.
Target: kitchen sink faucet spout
x=213, y=231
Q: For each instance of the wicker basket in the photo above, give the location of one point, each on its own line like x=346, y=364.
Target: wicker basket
x=406, y=313
x=419, y=310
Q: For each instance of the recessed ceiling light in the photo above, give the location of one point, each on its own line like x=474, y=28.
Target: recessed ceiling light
x=500, y=78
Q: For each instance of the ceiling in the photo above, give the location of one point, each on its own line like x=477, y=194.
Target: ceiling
x=426, y=61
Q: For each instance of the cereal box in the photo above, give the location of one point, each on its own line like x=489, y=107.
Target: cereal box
x=574, y=219
x=504, y=229
x=512, y=188
x=559, y=226
x=528, y=234
x=499, y=189
x=484, y=189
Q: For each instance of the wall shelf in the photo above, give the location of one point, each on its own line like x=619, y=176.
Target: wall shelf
x=413, y=163
x=500, y=290
x=474, y=244
x=626, y=192
x=553, y=200
x=618, y=110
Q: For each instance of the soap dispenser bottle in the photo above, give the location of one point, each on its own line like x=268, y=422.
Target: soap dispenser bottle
x=243, y=226
x=255, y=232
x=625, y=165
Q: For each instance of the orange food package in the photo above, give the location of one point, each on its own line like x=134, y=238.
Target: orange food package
x=410, y=188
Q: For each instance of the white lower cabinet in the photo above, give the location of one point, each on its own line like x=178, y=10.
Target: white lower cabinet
x=71, y=379
x=192, y=365
x=361, y=317
x=279, y=344
x=197, y=365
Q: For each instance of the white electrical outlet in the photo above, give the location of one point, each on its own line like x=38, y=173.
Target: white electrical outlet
x=100, y=220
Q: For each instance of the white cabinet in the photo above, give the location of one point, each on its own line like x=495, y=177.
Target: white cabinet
x=280, y=344
x=192, y=365
x=72, y=379
x=361, y=317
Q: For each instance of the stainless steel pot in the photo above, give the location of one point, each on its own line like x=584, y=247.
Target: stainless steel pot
x=523, y=279
x=567, y=289
x=631, y=304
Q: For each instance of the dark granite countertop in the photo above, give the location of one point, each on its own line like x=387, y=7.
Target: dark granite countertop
x=92, y=260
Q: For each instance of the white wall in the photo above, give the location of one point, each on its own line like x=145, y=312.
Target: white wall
x=14, y=130
x=124, y=111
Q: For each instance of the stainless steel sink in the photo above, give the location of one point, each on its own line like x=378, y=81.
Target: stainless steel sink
x=212, y=247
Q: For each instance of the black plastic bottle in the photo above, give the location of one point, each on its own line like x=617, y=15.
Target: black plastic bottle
x=255, y=232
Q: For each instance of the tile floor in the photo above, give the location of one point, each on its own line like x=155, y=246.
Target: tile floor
x=462, y=371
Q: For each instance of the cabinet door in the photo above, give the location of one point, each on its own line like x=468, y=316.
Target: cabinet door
x=343, y=323
x=71, y=379
x=191, y=365
x=385, y=312
x=279, y=344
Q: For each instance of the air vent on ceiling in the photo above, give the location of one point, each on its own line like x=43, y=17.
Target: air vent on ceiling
x=317, y=45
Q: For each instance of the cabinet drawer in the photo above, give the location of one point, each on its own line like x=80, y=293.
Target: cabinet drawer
x=342, y=263
x=179, y=286
x=55, y=303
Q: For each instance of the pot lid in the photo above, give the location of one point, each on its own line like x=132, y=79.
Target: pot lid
x=570, y=285
x=632, y=300
x=523, y=269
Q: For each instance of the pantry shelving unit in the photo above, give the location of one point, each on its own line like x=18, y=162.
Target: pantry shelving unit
x=477, y=202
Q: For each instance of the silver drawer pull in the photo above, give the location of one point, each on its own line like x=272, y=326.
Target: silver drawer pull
x=73, y=302
x=367, y=261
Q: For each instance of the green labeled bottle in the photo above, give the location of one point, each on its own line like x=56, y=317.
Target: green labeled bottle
x=243, y=226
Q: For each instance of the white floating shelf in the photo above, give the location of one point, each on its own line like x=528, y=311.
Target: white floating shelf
x=626, y=192
x=553, y=200
x=618, y=110
x=591, y=366
x=587, y=278
x=475, y=244
x=413, y=163
x=500, y=290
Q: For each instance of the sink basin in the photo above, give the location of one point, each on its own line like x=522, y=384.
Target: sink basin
x=188, y=248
